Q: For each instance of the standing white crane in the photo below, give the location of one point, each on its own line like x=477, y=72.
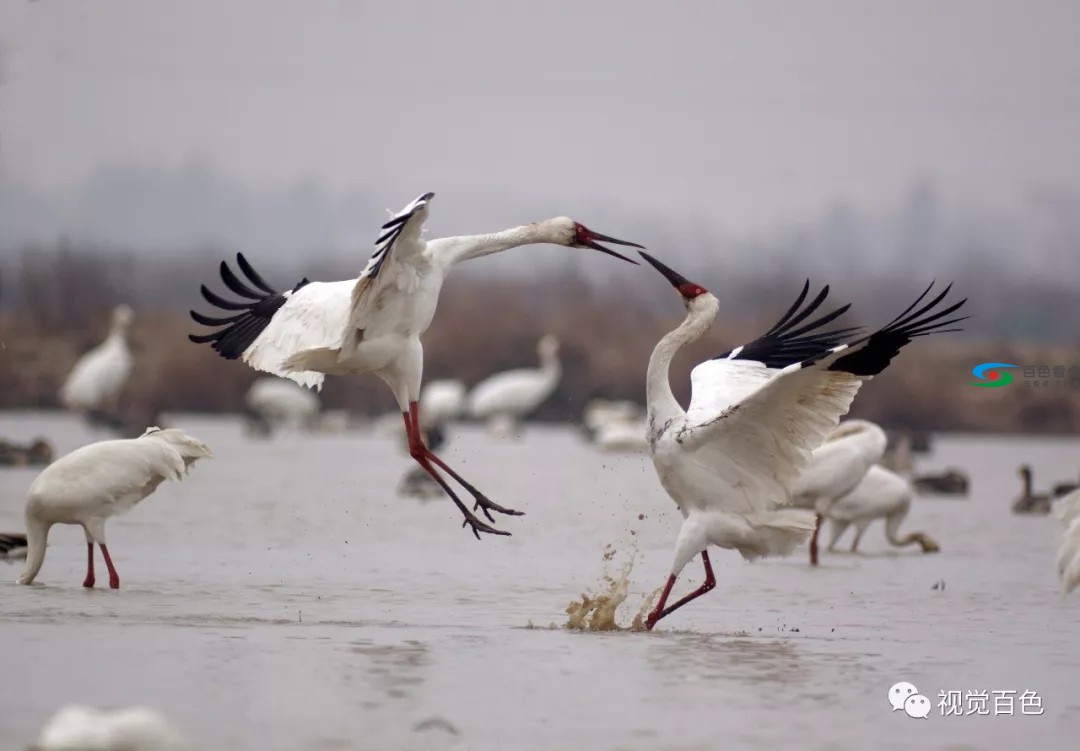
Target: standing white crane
x=837, y=466
x=442, y=401
x=881, y=494
x=505, y=398
x=100, y=480
x=372, y=324
x=756, y=414
x=274, y=402
x=99, y=377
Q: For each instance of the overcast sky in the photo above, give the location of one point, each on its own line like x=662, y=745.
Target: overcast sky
x=746, y=112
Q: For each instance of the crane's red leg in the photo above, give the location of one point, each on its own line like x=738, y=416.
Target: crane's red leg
x=661, y=612
x=484, y=503
x=88, y=582
x=813, y=541
x=114, y=578
x=419, y=452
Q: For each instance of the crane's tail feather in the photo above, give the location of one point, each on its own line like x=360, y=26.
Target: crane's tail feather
x=778, y=532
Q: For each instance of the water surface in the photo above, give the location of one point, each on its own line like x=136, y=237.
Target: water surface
x=283, y=597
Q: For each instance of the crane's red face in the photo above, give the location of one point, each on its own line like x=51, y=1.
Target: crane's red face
x=586, y=238
x=686, y=288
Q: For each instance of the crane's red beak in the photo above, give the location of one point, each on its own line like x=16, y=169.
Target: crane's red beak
x=586, y=238
x=686, y=288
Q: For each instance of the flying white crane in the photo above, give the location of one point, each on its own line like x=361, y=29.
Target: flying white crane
x=508, y=396
x=837, y=466
x=755, y=416
x=78, y=728
x=99, y=377
x=881, y=494
x=372, y=324
x=100, y=480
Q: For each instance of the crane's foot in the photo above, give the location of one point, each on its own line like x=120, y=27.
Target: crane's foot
x=487, y=505
x=479, y=526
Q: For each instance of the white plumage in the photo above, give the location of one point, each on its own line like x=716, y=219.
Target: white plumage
x=100, y=375
x=371, y=324
x=78, y=728
x=836, y=468
x=513, y=394
x=731, y=460
x=281, y=401
x=881, y=494
x=441, y=401
x=100, y=480
x=601, y=411
x=1067, y=511
x=1067, y=507
x=623, y=435
x=1069, y=557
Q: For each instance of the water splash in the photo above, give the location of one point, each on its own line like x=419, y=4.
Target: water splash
x=596, y=612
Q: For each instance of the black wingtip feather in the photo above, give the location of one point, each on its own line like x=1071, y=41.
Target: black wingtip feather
x=878, y=349
x=236, y=333
x=784, y=344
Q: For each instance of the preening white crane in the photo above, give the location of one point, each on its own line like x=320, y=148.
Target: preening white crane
x=372, y=324
x=509, y=396
x=756, y=414
x=99, y=377
x=836, y=468
x=100, y=480
x=881, y=494
x=78, y=728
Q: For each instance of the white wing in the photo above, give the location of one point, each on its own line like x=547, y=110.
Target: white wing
x=762, y=442
x=313, y=317
x=399, y=238
x=765, y=439
x=717, y=384
x=273, y=326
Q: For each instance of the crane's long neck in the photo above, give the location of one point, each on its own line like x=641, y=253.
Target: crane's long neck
x=550, y=365
x=1027, y=483
x=37, y=532
x=661, y=400
x=466, y=247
